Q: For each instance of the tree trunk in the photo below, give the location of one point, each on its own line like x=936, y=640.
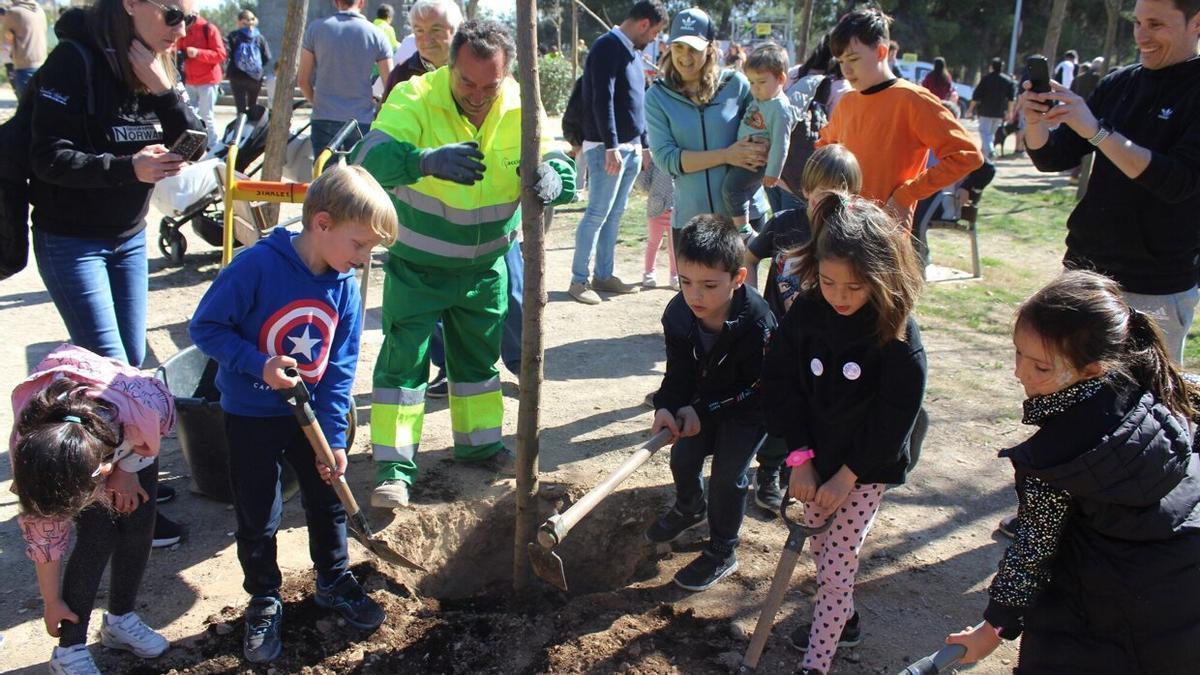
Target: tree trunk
x=532, y=354
x=1058, y=14
x=1112, y=8
x=471, y=9
x=806, y=12
x=280, y=123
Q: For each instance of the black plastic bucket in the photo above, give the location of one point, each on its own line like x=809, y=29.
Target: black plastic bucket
x=200, y=425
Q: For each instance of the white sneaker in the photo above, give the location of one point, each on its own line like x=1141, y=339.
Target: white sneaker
x=675, y=283
x=74, y=660
x=130, y=633
x=390, y=494
x=648, y=280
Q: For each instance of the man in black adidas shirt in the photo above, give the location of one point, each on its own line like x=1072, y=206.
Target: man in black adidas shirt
x=1139, y=222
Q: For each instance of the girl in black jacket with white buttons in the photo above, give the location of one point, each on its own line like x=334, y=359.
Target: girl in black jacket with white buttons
x=1103, y=575
x=842, y=383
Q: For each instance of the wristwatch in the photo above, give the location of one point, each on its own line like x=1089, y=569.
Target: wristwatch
x=1102, y=133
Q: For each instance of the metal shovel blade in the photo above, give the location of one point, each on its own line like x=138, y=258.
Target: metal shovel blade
x=547, y=565
x=360, y=530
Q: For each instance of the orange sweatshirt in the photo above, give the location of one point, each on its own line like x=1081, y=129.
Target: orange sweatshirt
x=891, y=131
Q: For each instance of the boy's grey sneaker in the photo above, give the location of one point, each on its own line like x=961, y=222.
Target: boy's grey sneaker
x=613, y=284
x=130, y=633
x=439, y=388
x=73, y=660
x=264, y=620
x=671, y=524
x=851, y=634
x=768, y=494
x=706, y=570
x=347, y=598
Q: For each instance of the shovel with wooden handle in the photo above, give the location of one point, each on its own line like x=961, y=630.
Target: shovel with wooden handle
x=545, y=562
x=356, y=520
x=797, y=534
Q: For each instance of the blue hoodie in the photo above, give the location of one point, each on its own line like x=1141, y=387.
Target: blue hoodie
x=267, y=302
x=676, y=123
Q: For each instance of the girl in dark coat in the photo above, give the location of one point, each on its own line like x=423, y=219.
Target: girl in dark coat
x=1104, y=572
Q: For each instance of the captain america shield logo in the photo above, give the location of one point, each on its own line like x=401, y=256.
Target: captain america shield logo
x=304, y=331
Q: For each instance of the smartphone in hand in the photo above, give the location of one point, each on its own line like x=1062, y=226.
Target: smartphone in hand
x=189, y=143
x=1037, y=71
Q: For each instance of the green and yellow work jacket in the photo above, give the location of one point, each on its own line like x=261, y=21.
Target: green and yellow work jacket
x=442, y=223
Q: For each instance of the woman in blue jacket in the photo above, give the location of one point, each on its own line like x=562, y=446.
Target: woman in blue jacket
x=692, y=114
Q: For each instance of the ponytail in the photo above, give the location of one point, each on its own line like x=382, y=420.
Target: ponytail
x=1151, y=366
x=63, y=433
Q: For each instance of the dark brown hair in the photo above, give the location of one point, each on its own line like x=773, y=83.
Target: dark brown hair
x=1082, y=317
x=854, y=229
x=55, y=458
x=868, y=25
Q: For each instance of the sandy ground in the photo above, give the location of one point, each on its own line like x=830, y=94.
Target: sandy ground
x=925, y=566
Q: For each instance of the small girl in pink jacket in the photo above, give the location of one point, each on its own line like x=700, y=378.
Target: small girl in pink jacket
x=84, y=449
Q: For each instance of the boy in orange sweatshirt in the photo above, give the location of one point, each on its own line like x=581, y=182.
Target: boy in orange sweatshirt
x=891, y=125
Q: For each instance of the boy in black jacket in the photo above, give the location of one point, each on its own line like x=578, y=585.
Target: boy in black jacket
x=716, y=329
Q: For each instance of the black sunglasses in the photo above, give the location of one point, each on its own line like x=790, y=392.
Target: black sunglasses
x=173, y=16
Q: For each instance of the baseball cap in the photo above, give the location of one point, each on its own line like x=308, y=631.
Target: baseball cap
x=693, y=28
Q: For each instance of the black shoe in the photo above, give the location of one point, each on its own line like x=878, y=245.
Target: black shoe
x=264, y=619
x=165, y=494
x=504, y=462
x=851, y=634
x=347, y=598
x=706, y=570
x=166, y=532
x=768, y=495
x=672, y=524
x=439, y=388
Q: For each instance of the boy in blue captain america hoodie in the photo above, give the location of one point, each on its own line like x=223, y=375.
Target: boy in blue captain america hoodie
x=292, y=300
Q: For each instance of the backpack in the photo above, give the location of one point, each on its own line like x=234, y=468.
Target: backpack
x=15, y=170
x=248, y=58
x=804, y=137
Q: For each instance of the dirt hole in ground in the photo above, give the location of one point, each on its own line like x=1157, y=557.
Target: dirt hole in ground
x=462, y=618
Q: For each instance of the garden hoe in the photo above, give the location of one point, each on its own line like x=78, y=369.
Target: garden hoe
x=937, y=662
x=546, y=563
x=356, y=520
x=797, y=534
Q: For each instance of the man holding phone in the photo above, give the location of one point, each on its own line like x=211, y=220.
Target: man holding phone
x=1138, y=221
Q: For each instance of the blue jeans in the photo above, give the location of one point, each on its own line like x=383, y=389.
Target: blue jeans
x=601, y=221
x=323, y=131
x=510, y=343
x=21, y=78
x=99, y=287
x=987, y=135
x=731, y=444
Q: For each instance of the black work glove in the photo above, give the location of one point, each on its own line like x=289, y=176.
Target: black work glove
x=456, y=162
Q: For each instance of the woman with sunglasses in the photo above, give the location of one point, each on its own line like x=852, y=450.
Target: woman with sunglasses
x=93, y=174
x=84, y=450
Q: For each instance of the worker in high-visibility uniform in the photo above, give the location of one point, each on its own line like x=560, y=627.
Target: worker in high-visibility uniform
x=447, y=146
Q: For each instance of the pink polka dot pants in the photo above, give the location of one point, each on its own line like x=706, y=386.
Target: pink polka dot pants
x=836, y=555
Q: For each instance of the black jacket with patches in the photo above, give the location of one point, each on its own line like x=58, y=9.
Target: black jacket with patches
x=1142, y=232
x=1104, y=573
x=723, y=382
x=83, y=183
x=829, y=385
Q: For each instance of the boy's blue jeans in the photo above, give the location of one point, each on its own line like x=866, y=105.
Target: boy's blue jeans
x=731, y=443
x=99, y=287
x=257, y=448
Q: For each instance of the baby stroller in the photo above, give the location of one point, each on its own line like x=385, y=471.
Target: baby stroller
x=195, y=195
